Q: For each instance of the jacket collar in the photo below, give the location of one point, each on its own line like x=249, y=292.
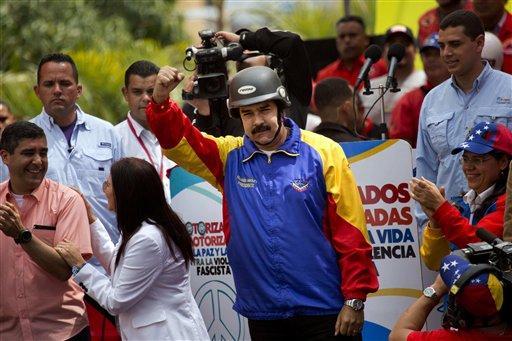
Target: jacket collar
x=49, y=122
x=290, y=146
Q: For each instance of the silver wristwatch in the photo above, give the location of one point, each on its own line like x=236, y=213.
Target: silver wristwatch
x=430, y=292
x=355, y=304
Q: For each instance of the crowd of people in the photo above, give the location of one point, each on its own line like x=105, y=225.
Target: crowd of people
x=88, y=236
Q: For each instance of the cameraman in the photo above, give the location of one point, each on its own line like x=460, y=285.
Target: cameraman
x=283, y=51
x=480, y=309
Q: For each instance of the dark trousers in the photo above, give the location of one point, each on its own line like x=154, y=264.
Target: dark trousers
x=309, y=328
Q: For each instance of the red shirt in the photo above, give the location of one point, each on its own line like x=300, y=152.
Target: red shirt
x=406, y=114
x=338, y=69
x=429, y=22
x=505, y=35
x=452, y=335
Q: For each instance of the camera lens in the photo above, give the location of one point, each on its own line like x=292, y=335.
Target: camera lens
x=213, y=86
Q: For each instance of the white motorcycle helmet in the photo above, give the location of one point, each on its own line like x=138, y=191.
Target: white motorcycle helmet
x=493, y=51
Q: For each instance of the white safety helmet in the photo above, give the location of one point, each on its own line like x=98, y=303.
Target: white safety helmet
x=493, y=51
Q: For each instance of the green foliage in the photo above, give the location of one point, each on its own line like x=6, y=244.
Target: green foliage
x=366, y=9
x=101, y=74
x=103, y=37
x=152, y=19
x=17, y=90
x=314, y=20
x=31, y=29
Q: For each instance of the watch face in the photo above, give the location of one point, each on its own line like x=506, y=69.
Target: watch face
x=355, y=304
x=429, y=292
x=25, y=236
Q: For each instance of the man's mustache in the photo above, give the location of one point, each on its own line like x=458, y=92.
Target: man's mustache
x=260, y=128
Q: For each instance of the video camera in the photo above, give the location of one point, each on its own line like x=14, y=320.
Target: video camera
x=492, y=251
x=210, y=61
x=493, y=255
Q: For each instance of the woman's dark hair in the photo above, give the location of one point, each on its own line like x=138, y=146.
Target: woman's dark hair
x=500, y=186
x=140, y=197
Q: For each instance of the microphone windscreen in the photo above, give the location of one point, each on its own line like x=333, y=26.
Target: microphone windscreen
x=485, y=235
x=397, y=51
x=373, y=52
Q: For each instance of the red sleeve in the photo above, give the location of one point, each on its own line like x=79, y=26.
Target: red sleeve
x=459, y=231
x=405, y=119
x=358, y=272
x=167, y=122
x=171, y=126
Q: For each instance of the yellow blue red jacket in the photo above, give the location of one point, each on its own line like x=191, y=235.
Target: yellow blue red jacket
x=456, y=230
x=294, y=223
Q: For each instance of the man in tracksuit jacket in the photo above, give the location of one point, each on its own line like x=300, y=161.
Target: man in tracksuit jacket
x=293, y=218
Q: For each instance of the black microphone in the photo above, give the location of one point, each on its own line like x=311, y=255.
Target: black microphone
x=372, y=55
x=395, y=54
x=488, y=237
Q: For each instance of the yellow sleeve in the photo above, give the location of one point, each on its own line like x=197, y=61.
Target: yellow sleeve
x=434, y=247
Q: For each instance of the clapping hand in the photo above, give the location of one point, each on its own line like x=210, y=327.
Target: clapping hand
x=10, y=221
x=427, y=194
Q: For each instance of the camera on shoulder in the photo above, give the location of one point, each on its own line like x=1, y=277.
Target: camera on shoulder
x=210, y=62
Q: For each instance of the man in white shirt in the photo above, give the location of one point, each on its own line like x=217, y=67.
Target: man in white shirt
x=138, y=140
x=407, y=78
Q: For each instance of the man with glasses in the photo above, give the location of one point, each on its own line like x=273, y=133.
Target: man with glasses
x=486, y=154
x=474, y=93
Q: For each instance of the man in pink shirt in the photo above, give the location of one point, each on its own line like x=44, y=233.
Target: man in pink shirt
x=37, y=299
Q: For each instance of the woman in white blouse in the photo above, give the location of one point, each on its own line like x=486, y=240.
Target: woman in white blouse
x=147, y=284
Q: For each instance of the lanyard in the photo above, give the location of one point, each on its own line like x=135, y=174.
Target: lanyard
x=148, y=154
